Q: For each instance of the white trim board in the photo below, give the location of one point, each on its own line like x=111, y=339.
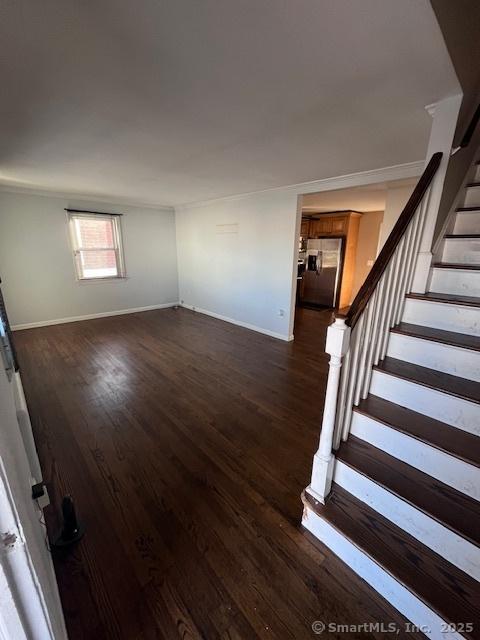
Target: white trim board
x=245, y=325
x=91, y=316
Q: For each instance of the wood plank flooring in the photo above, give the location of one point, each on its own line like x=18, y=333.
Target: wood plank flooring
x=186, y=443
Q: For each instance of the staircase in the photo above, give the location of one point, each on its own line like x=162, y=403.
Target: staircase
x=403, y=510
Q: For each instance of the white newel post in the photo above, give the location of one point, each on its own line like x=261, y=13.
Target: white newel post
x=445, y=115
x=338, y=339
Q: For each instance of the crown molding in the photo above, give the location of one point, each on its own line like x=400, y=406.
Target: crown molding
x=431, y=108
x=371, y=176
x=6, y=187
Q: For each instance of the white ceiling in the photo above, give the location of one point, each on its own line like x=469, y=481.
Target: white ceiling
x=370, y=197
x=172, y=101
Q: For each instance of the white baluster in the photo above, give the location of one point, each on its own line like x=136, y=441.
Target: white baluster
x=391, y=299
x=369, y=311
x=375, y=336
x=382, y=327
x=342, y=393
x=421, y=227
x=413, y=242
x=355, y=346
x=338, y=338
x=406, y=252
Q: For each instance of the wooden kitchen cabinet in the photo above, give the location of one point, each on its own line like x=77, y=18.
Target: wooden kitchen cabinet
x=321, y=227
x=339, y=225
x=328, y=226
x=305, y=228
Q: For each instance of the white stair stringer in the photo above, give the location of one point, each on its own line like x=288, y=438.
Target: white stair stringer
x=447, y=468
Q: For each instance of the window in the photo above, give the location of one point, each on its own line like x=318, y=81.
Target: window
x=97, y=245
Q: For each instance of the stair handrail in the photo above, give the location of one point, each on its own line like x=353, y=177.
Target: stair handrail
x=357, y=340
x=469, y=131
x=365, y=292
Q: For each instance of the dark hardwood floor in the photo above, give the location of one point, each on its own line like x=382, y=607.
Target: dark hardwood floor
x=186, y=443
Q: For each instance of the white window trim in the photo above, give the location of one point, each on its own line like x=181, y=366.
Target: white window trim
x=118, y=246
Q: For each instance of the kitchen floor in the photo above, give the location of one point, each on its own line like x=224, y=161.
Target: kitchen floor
x=186, y=442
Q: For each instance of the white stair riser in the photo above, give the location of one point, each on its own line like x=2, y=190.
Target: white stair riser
x=461, y=250
x=472, y=197
x=439, y=315
x=476, y=175
x=460, y=552
x=393, y=591
x=467, y=222
x=458, y=281
x=450, y=470
x=436, y=404
x=464, y=363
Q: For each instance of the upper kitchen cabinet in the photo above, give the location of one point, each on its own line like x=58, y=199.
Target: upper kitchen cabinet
x=305, y=228
x=329, y=225
x=320, y=227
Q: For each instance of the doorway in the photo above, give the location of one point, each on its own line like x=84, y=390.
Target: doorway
x=360, y=218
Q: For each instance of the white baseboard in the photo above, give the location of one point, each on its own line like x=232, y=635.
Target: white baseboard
x=245, y=325
x=91, y=316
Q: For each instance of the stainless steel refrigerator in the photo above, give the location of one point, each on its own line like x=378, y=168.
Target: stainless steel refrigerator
x=322, y=274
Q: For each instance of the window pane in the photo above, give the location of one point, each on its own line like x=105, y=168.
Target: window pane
x=94, y=234
x=98, y=264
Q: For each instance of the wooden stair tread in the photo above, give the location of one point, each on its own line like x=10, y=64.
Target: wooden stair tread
x=472, y=184
x=463, y=340
x=453, y=509
x=456, y=442
x=453, y=385
x=448, y=591
x=448, y=298
x=456, y=265
x=476, y=208
x=462, y=236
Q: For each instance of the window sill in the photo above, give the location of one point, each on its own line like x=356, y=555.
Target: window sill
x=100, y=280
